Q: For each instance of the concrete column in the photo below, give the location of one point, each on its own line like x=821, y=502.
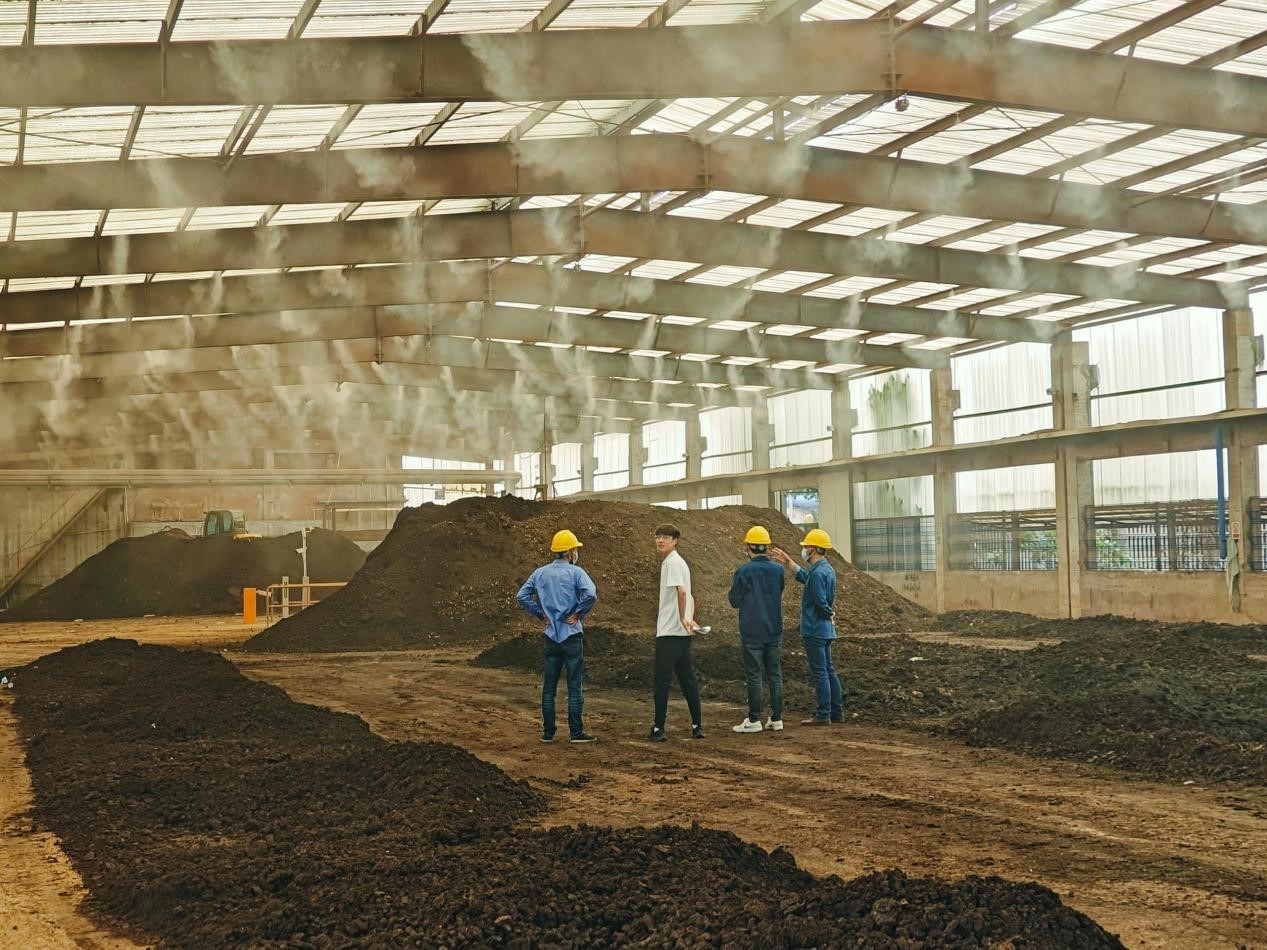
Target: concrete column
x=588, y=461
x=944, y=400
x=1071, y=409
x=756, y=492
x=1240, y=361
x=637, y=454
x=762, y=435
x=835, y=510
x=842, y=421
x=694, y=446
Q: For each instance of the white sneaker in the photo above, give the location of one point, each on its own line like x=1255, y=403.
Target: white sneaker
x=748, y=725
x=775, y=725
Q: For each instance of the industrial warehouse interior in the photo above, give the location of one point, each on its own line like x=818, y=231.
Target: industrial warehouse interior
x=658, y=473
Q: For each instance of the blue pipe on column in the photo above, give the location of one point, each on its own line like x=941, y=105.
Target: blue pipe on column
x=1218, y=468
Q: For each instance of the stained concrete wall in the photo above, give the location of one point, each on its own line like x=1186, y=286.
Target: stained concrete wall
x=1173, y=595
x=1170, y=595
x=25, y=516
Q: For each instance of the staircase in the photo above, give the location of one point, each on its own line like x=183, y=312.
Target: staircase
x=39, y=542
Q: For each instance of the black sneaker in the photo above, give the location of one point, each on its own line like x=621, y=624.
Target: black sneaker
x=584, y=737
x=547, y=737
x=657, y=735
x=697, y=732
x=838, y=720
x=815, y=721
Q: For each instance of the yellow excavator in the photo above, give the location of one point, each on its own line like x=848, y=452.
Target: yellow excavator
x=223, y=521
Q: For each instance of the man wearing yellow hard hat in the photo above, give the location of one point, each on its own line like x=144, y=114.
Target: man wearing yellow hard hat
x=757, y=591
x=818, y=628
x=561, y=594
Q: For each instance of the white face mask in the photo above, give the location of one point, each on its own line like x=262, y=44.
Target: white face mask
x=806, y=552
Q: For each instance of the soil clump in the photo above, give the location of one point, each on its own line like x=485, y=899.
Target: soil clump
x=205, y=809
x=1173, y=701
x=170, y=573
x=449, y=574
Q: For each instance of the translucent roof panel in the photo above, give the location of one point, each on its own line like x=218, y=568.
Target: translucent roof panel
x=168, y=131
x=76, y=135
x=235, y=19
x=364, y=18
x=293, y=128
x=389, y=124
x=97, y=21
x=485, y=16
x=601, y=14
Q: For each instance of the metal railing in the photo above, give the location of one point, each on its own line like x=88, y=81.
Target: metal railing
x=280, y=601
x=894, y=544
x=1004, y=541
x=1255, y=534
x=1156, y=536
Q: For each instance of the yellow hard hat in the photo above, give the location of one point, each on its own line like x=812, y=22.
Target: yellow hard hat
x=757, y=535
x=564, y=540
x=816, y=538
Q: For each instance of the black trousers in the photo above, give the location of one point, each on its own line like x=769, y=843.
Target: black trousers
x=673, y=655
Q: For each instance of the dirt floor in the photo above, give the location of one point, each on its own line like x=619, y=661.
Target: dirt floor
x=1161, y=865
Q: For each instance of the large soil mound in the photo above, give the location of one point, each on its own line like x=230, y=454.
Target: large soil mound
x=171, y=573
x=204, y=809
x=1175, y=701
x=450, y=574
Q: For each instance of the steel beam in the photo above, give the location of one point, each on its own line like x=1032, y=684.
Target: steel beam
x=512, y=366
x=140, y=478
x=619, y=164
x=749, y=60
x=563, y=231
x=461, y=281
x=475, y=320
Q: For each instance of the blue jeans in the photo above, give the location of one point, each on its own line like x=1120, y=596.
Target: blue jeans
x=765, y=658
x=824, y=679
x=570, y=654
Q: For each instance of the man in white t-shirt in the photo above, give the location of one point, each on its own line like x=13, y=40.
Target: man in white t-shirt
x=675, y=628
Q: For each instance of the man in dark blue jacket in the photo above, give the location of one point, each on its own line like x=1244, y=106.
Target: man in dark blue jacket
x=561, y=594
x=757, y=591
x=818, y=628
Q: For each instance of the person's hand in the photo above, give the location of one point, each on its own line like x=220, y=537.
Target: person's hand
x=691, y=627
x=571, y=618
x=780, y=555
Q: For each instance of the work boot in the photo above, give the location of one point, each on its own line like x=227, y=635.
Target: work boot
x=584, y=737
x=838, y=720
x=748, y=725
x=657, y=734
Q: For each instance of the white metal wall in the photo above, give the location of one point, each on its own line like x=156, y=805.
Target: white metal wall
x=437, y=493
x=611, y=468
x=727, y=435
x=665, y=444
x=802, y=428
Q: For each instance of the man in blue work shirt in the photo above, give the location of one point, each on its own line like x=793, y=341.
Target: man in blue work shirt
x=561, y=594
x=757, y=590
x=818, y=630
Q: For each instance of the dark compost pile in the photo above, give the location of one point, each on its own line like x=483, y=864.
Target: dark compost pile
x=448, y=574
x=205, y=809
x=171, y=573
x=1173, y=701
